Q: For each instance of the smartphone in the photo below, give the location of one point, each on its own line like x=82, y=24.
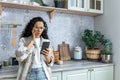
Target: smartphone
x=45, y=45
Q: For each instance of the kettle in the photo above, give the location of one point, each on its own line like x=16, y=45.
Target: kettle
x=77, y=53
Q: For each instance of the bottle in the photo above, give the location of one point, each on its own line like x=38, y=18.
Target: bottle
x=77, y=53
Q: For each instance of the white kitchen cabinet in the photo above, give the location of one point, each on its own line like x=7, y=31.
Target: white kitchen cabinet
x=94, y=72
x=101, y=73
x=56, y=76
x=77, y=5
x=94, y=6
x=75, y=75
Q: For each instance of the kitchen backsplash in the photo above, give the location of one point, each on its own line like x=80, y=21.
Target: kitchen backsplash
x=64, y=27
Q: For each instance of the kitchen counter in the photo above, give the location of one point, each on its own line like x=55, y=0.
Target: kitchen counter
x=11, y=71
x=74, y=65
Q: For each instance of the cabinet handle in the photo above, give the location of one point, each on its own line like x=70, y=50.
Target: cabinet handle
x=87, y=9
x=90, y=70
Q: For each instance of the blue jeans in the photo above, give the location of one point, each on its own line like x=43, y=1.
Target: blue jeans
x=38, y=74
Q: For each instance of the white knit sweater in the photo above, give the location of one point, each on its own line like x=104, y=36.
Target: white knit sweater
x=26, y=58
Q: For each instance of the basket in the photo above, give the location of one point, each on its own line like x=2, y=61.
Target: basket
x=93, y=54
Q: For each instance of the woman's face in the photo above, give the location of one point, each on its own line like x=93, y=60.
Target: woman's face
x=38, y=28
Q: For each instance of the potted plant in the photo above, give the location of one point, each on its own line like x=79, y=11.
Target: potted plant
x=107, y=51
x=59, y=3
x=92, y=40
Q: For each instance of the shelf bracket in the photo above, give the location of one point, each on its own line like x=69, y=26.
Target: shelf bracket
x=0, y=10
x=51, y=14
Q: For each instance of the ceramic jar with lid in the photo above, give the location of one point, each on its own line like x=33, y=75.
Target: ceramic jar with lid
x=77, y=53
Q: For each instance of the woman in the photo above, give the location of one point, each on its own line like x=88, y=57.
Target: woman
x=33, y=63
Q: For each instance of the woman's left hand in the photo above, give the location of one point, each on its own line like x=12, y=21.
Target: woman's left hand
x=46, y=54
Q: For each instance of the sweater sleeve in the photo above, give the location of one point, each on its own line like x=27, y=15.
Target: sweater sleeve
x=22, y=52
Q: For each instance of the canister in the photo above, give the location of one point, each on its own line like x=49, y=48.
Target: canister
x=6, y=63
x=77, y=53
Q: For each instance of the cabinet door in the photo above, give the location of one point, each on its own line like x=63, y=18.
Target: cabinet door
x=56, y=76
x=77, y=5
x=95, y=6
x=103, y=73
x=75, y=75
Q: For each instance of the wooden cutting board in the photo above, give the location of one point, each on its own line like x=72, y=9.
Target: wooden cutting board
x=64, y=51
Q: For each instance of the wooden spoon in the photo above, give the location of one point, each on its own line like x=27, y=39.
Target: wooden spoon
x=13, y=41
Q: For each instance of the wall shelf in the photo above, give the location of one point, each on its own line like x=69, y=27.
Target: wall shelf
x=10, y=25
x=51, y=10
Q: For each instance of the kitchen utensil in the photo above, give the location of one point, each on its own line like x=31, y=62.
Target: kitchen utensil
x=64, y=51
x=13, y=41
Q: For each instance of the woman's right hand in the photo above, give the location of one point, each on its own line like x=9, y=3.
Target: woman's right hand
x=32, y=41
x=33, y=35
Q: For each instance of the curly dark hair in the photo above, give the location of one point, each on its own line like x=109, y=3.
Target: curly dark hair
x=28, y=29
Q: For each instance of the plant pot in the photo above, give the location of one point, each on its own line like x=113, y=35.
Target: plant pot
x=93, y=54
x=106, y=58
x=59, y=4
